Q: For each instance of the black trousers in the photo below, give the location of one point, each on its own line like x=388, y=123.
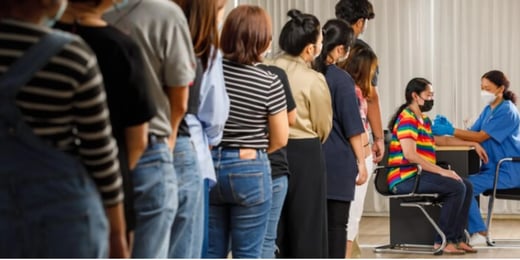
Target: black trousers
x=337, y=212
x=302, y=230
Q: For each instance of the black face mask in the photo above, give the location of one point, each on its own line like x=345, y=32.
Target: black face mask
x=427, y=106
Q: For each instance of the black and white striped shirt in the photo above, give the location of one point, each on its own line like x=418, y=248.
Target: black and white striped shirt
x=254, y=95
x=64, y=103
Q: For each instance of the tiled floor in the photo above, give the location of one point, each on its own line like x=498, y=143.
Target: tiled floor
x=374, y=231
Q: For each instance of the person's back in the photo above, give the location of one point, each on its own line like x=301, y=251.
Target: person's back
x=161, y=31
x=68, y=137
x=120, y=61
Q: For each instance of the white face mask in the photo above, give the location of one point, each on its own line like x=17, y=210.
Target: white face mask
x=365, y=25
x=317, y=50
x=50, y=21
x=487, y=97
x=345, y=57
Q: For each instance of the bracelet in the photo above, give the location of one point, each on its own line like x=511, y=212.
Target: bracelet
x=376, y=139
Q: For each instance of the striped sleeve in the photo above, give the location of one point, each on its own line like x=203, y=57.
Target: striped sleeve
x=407, y=127
x=276, y=101
x=97, y=148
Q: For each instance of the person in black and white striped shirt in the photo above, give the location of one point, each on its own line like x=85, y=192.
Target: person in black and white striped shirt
x=64, y=103
x=241, y=201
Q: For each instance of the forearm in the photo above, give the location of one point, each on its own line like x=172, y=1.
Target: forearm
x=469, y=135
x=117, y=236
x=178, y=97
x=452, y=141
x=357, y=146
x=374, y=114
x=136, y=142
x=425, y=165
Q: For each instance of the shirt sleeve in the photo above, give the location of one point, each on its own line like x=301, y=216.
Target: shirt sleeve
x=347, y=108
x=97, y=148
x=502, y=122
x=276, y=101
x=214, y=102
x=179, y=57
x=408, y=127
x=320, y=107
x=139, y=106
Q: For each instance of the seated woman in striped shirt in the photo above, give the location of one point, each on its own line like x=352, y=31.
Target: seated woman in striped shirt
x=413, y=142
x=241, y=200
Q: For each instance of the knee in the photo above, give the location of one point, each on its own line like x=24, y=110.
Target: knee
x=469, y=186
x=458, y=188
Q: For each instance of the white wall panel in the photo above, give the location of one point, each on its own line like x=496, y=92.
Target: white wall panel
x=450, y=42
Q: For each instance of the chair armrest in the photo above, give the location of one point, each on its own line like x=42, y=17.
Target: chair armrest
x=413, y=193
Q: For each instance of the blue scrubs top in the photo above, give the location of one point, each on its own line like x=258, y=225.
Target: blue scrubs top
x=502, y=124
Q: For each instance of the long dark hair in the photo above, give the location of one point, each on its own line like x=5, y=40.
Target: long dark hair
x=202, y=20
x=499, y=78
x=301, y=30
x=359, y=65
x=415, y=85
x=336, y=32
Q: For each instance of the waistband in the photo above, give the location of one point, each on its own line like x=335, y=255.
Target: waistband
x=157, y=139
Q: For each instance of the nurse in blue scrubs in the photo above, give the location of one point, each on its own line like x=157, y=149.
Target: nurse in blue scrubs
x=498, y=130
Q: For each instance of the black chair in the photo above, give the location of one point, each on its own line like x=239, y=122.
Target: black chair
x=412, y=199
x=504, y=194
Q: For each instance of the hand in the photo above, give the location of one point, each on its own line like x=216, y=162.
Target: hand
x=362, y=174
x=378, y=150
x=481, y=153
x=440, y=129
x=450, y=174
x=442, y=119
x=118, y=245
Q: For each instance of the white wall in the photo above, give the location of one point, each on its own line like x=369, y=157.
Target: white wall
x=450, y=42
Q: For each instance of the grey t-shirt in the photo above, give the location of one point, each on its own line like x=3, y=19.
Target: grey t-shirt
x=160, y=29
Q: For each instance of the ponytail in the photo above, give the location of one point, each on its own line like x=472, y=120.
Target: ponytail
x=510, y=95
x=394, y=117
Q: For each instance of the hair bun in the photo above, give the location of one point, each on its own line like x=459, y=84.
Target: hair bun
x=296, y=15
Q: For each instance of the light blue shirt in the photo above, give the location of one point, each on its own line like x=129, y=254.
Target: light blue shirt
x=207, y=127
x=502, y=124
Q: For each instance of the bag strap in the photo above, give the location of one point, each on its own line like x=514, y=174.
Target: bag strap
x=22, y=70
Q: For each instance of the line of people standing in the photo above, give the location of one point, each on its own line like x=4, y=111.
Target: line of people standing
x=175, y=124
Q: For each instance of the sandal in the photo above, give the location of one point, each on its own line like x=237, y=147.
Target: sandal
x=467, y=248
x=450, y=249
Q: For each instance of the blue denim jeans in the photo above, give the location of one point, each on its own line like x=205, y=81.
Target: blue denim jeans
x=187, y=230
x=155, y=194
x=239, y=204
x=280, y=185
x=456, y=197
x=51, y=216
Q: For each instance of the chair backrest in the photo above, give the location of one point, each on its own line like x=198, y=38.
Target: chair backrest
x=380, y=181
x=381, y=173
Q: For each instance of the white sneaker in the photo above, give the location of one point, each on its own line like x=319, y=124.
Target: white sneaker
x=477, y=240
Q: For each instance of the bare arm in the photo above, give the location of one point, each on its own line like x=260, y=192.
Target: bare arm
x=178, y=97
x=469, y=135
x=451, y=141
x=374, y=119
x=278, y=131
x=410, y=153
x=118, y=243
x=357, y=146
x=136, y=142
x=291, y=116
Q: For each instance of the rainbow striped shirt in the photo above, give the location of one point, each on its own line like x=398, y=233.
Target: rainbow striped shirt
x=408, y=125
